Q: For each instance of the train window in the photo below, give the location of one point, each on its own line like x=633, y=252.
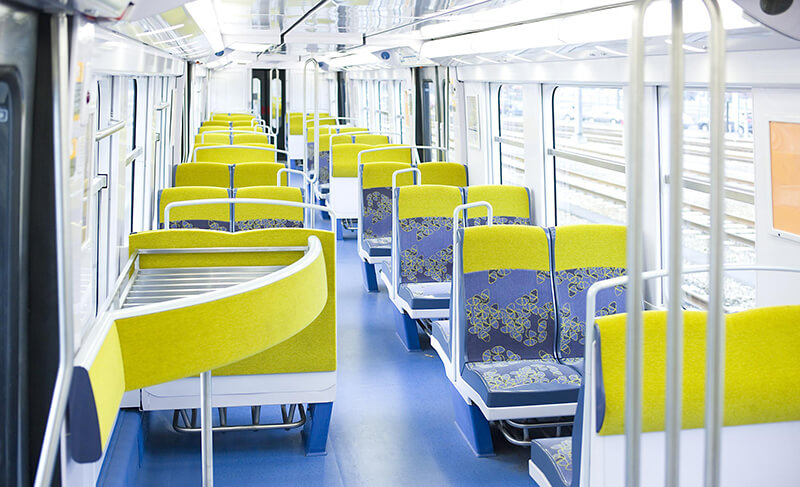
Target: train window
x=384, y=107
x=511, y=135
x=589, y=155
x=739, y=192
x=365, y=103
x=334, y=97
x=403, y=110
x=130, y=159
x=452, y=116
x=430, y=121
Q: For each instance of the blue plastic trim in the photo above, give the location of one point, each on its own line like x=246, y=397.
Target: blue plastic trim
x=84, y=430
x=315, y=431
x=407, y=330
x=473, y=425
x=339, y=230
x=370, y=278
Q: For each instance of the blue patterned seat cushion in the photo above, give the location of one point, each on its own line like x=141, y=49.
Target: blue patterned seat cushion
x=440, y=331
x=522, y=382
x=553, y=456
x=509, y=315
x=377, y=247
x=376, y=216
x=221, y=225
x=499, y=220
x=426, y=295
x=426, y=249
x=571, y=288
x=259, y=223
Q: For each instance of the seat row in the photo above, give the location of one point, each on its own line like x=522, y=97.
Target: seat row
x=227, y=217
x=233, y=176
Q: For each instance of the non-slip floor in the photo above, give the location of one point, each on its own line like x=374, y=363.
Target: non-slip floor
x=392, y=422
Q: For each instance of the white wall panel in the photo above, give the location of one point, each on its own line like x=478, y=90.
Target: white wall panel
x=772, y=288
x=229, y=90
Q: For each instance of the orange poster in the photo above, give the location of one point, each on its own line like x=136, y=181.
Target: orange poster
x=784, y=138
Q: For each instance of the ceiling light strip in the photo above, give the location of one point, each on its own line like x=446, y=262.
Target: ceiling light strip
x=174, y=39
x=159, y=31
x=608, y=50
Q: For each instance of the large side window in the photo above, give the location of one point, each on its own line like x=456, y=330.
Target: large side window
x=739, y=195
x=589, y=155
x=511, y=135
x=385, y=107
x=430, y=119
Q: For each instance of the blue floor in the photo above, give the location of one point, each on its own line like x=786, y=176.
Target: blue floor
x=392, y=422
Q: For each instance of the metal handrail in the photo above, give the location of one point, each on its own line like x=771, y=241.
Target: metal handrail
x=116, y=126
x=236, y=146
x=249, y=201
x=58, y=404
x=316, y=119
x=635, y=252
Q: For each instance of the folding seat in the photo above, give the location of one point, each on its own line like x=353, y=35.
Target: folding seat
x=420, y=271
x=233, y=154
x=583, y=255
x=504, y=332
x=203, y=174
x=208, y=217
x=512, y=205
x=446, y=173
x=255, y=216
x=258, y=174
x=375, y=215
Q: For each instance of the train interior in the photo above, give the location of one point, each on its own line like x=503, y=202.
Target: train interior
x=380, y=243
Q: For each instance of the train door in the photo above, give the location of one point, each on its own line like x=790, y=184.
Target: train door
x=17, y=64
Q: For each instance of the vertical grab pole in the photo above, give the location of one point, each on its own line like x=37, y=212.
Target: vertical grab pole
x=55, y=418
x=317, y=162
x=206, y=429
x=635, y=252
x=673, y=407
x=715, y=339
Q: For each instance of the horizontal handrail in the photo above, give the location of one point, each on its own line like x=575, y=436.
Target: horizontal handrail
x=593, y=161
x=249, y=201
x=306, y=177
x=116, y=126
x=237, y=146
x=362, y=132
x=133, y=155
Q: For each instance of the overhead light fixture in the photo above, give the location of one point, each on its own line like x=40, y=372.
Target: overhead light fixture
x=172, y=40
x=687, y=47
x=159, y=31
x=487, y=60
x=250, y=47
x=353, y=60
x=519, y=58
x=557, y=54
x=204, y=14
x=608, y=50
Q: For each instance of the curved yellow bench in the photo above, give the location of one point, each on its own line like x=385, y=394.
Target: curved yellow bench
x=134, y=348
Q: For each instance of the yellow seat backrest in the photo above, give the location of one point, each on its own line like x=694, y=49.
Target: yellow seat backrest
x=756, y=392
x=235, y=154
x=446, y=173
x=203, y=174
x=506, y=201
x=254, y=216
x=401, y=154
x=254, y=138
x=209, y=217
x=344, y=159
x=212, y=138
x=258, y=174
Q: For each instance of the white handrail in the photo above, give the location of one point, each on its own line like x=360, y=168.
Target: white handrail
x=394, y=147
x=316, y=121
x=236, y=146
x=234, y=131
x=249, y=201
